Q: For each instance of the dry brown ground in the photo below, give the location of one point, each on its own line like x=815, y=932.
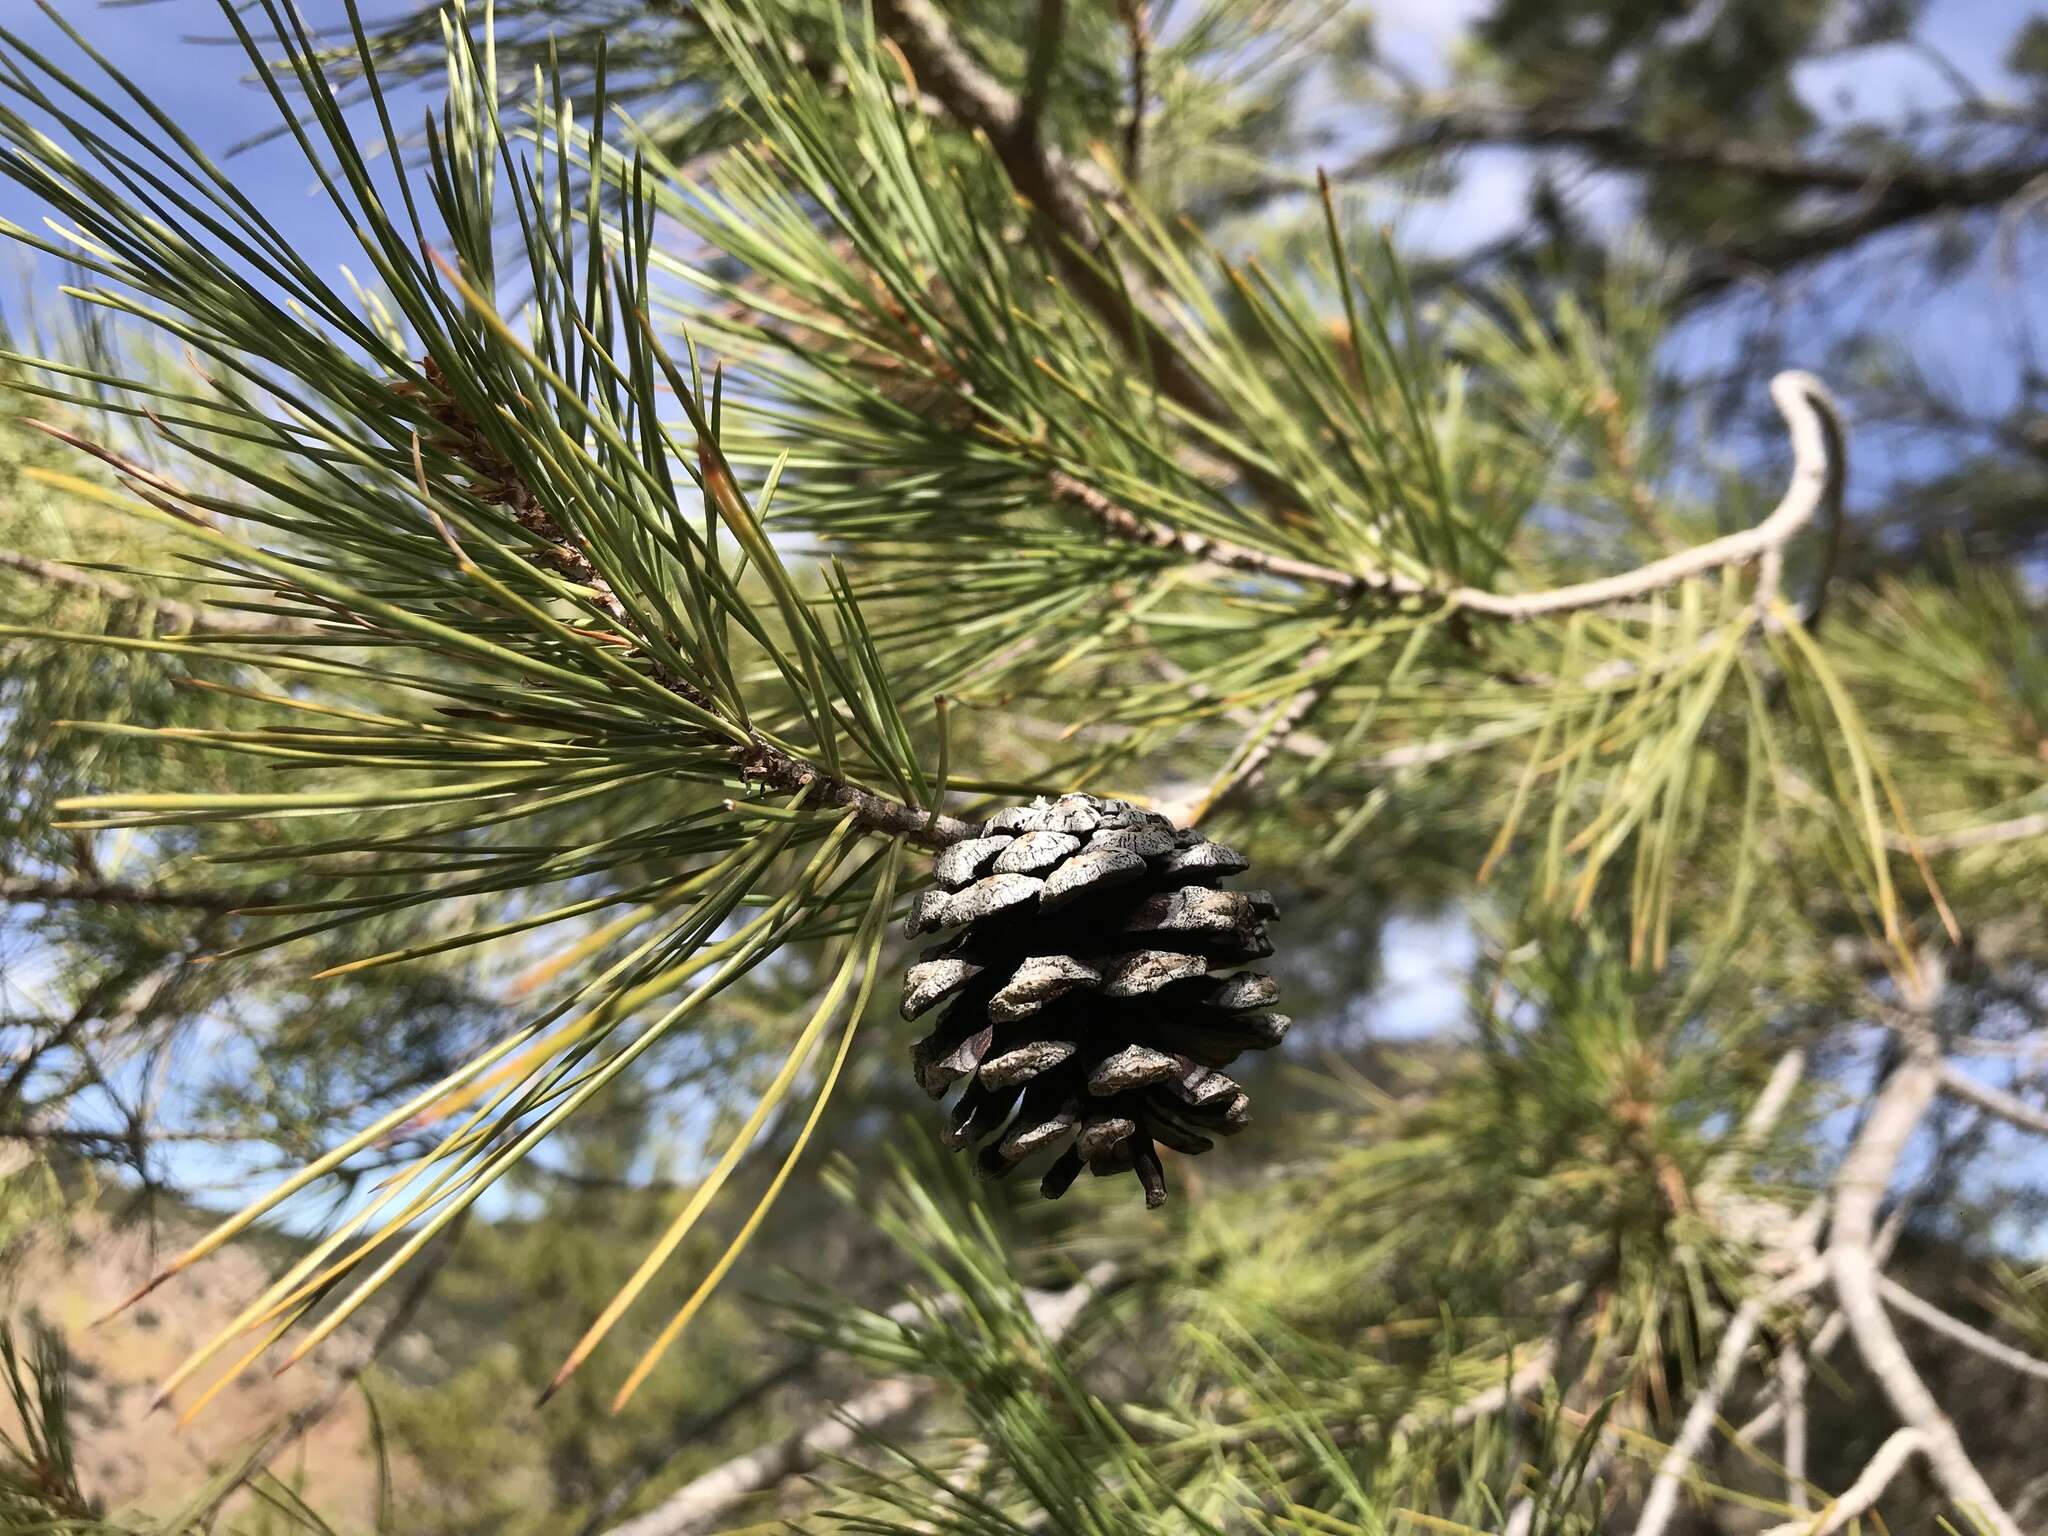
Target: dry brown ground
x=133, y=1459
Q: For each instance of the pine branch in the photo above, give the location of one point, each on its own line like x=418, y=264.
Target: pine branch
x=759, y=762
x=170, y=614
x=1063, y=190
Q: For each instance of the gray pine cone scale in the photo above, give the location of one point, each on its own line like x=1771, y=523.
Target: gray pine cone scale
x=1088, y=994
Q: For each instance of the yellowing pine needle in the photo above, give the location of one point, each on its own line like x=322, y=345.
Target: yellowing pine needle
x=871, y=948
x=326, y=1163
x=705, y=1192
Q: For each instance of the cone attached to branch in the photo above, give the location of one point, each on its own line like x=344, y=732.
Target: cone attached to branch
x=1092, y=993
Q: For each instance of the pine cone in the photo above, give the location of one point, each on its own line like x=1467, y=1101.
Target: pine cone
x=1091, y=1000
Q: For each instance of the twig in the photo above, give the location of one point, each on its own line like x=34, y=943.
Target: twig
x=1931, y=1316
x=2018, y=829
x=1246, y=767
x=1123, y=524
x=1859, y=1188
x=1869, y=1486
x=169, y=614
x=1827, y=1327
x=1525, y=1379
x=1757, y=1124
x=1957, y=1083
x=703, y=1505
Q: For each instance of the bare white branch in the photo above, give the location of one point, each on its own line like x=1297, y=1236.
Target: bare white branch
x=1958, y=1084
x=1869, y=1486
x=1817, y=477
x=1524, y=1379
x=1762, y=1118
x=1931, y=1316
x=1860, y=1186
x=707, y=1503
x=1792, y=1401
x=1661, y=1503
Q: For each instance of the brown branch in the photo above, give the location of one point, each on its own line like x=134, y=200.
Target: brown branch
x=1122, y=524
x=1619, y=142
x=1879, y=197
x=1045, y=58
x=1902, y=200
x=1064, y=191
x=26, y=889
x=769, y=766
x=1137, y=15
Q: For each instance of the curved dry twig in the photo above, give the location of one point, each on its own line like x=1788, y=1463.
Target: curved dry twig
x=1819, y=470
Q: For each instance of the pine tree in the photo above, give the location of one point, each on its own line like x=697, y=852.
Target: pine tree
x=770, y=445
